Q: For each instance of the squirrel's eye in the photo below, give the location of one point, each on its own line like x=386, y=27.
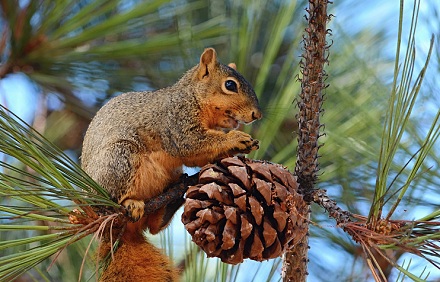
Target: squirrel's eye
x=231, y=85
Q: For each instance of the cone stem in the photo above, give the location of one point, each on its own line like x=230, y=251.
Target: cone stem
x=172, y=193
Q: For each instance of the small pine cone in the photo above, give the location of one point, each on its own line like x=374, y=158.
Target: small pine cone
x=245, y=208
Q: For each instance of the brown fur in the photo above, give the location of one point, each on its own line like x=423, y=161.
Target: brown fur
x=138, y=260
x=137, y=143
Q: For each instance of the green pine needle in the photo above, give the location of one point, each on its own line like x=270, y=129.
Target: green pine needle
x=39, y=186
x=397, y=121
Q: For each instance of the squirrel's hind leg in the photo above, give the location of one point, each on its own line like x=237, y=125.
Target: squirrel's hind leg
x=114, y=169
x=135, y=208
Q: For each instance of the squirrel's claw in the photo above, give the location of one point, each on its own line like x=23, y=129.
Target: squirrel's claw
x=135, y=208
x=255, y=145
x=251, y=145
x=243, y=142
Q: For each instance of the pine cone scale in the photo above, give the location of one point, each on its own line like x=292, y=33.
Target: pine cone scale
x=243, y=208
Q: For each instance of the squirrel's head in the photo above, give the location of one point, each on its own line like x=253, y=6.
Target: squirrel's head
x=225, y=97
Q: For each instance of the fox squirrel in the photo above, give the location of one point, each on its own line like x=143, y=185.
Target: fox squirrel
x=136, y=145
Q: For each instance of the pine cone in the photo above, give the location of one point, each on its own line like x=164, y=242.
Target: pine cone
x=245, y=208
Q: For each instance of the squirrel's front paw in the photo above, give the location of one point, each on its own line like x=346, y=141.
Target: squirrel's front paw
x=135, y=208
x=243, y=142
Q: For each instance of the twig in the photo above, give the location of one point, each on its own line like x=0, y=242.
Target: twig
x=321, y=198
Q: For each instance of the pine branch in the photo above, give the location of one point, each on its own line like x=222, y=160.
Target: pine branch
x=309, y=104
x=311, y=97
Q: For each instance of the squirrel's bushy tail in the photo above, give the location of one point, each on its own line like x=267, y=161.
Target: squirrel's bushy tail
x=136, y=259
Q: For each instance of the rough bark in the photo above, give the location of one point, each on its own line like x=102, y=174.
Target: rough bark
x=309, y=104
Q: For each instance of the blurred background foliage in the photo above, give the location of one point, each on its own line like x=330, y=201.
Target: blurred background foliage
x=72, y=56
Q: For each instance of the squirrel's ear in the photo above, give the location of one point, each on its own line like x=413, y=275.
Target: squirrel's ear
x=208, y=61
x=232, y=66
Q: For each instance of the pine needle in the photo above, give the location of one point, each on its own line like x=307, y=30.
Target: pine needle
x=42, y=191
x=401, y=104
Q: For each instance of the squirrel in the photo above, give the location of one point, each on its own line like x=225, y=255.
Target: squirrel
x=137, y=143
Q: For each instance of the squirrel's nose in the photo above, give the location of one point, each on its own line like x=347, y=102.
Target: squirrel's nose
x=257, y=115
